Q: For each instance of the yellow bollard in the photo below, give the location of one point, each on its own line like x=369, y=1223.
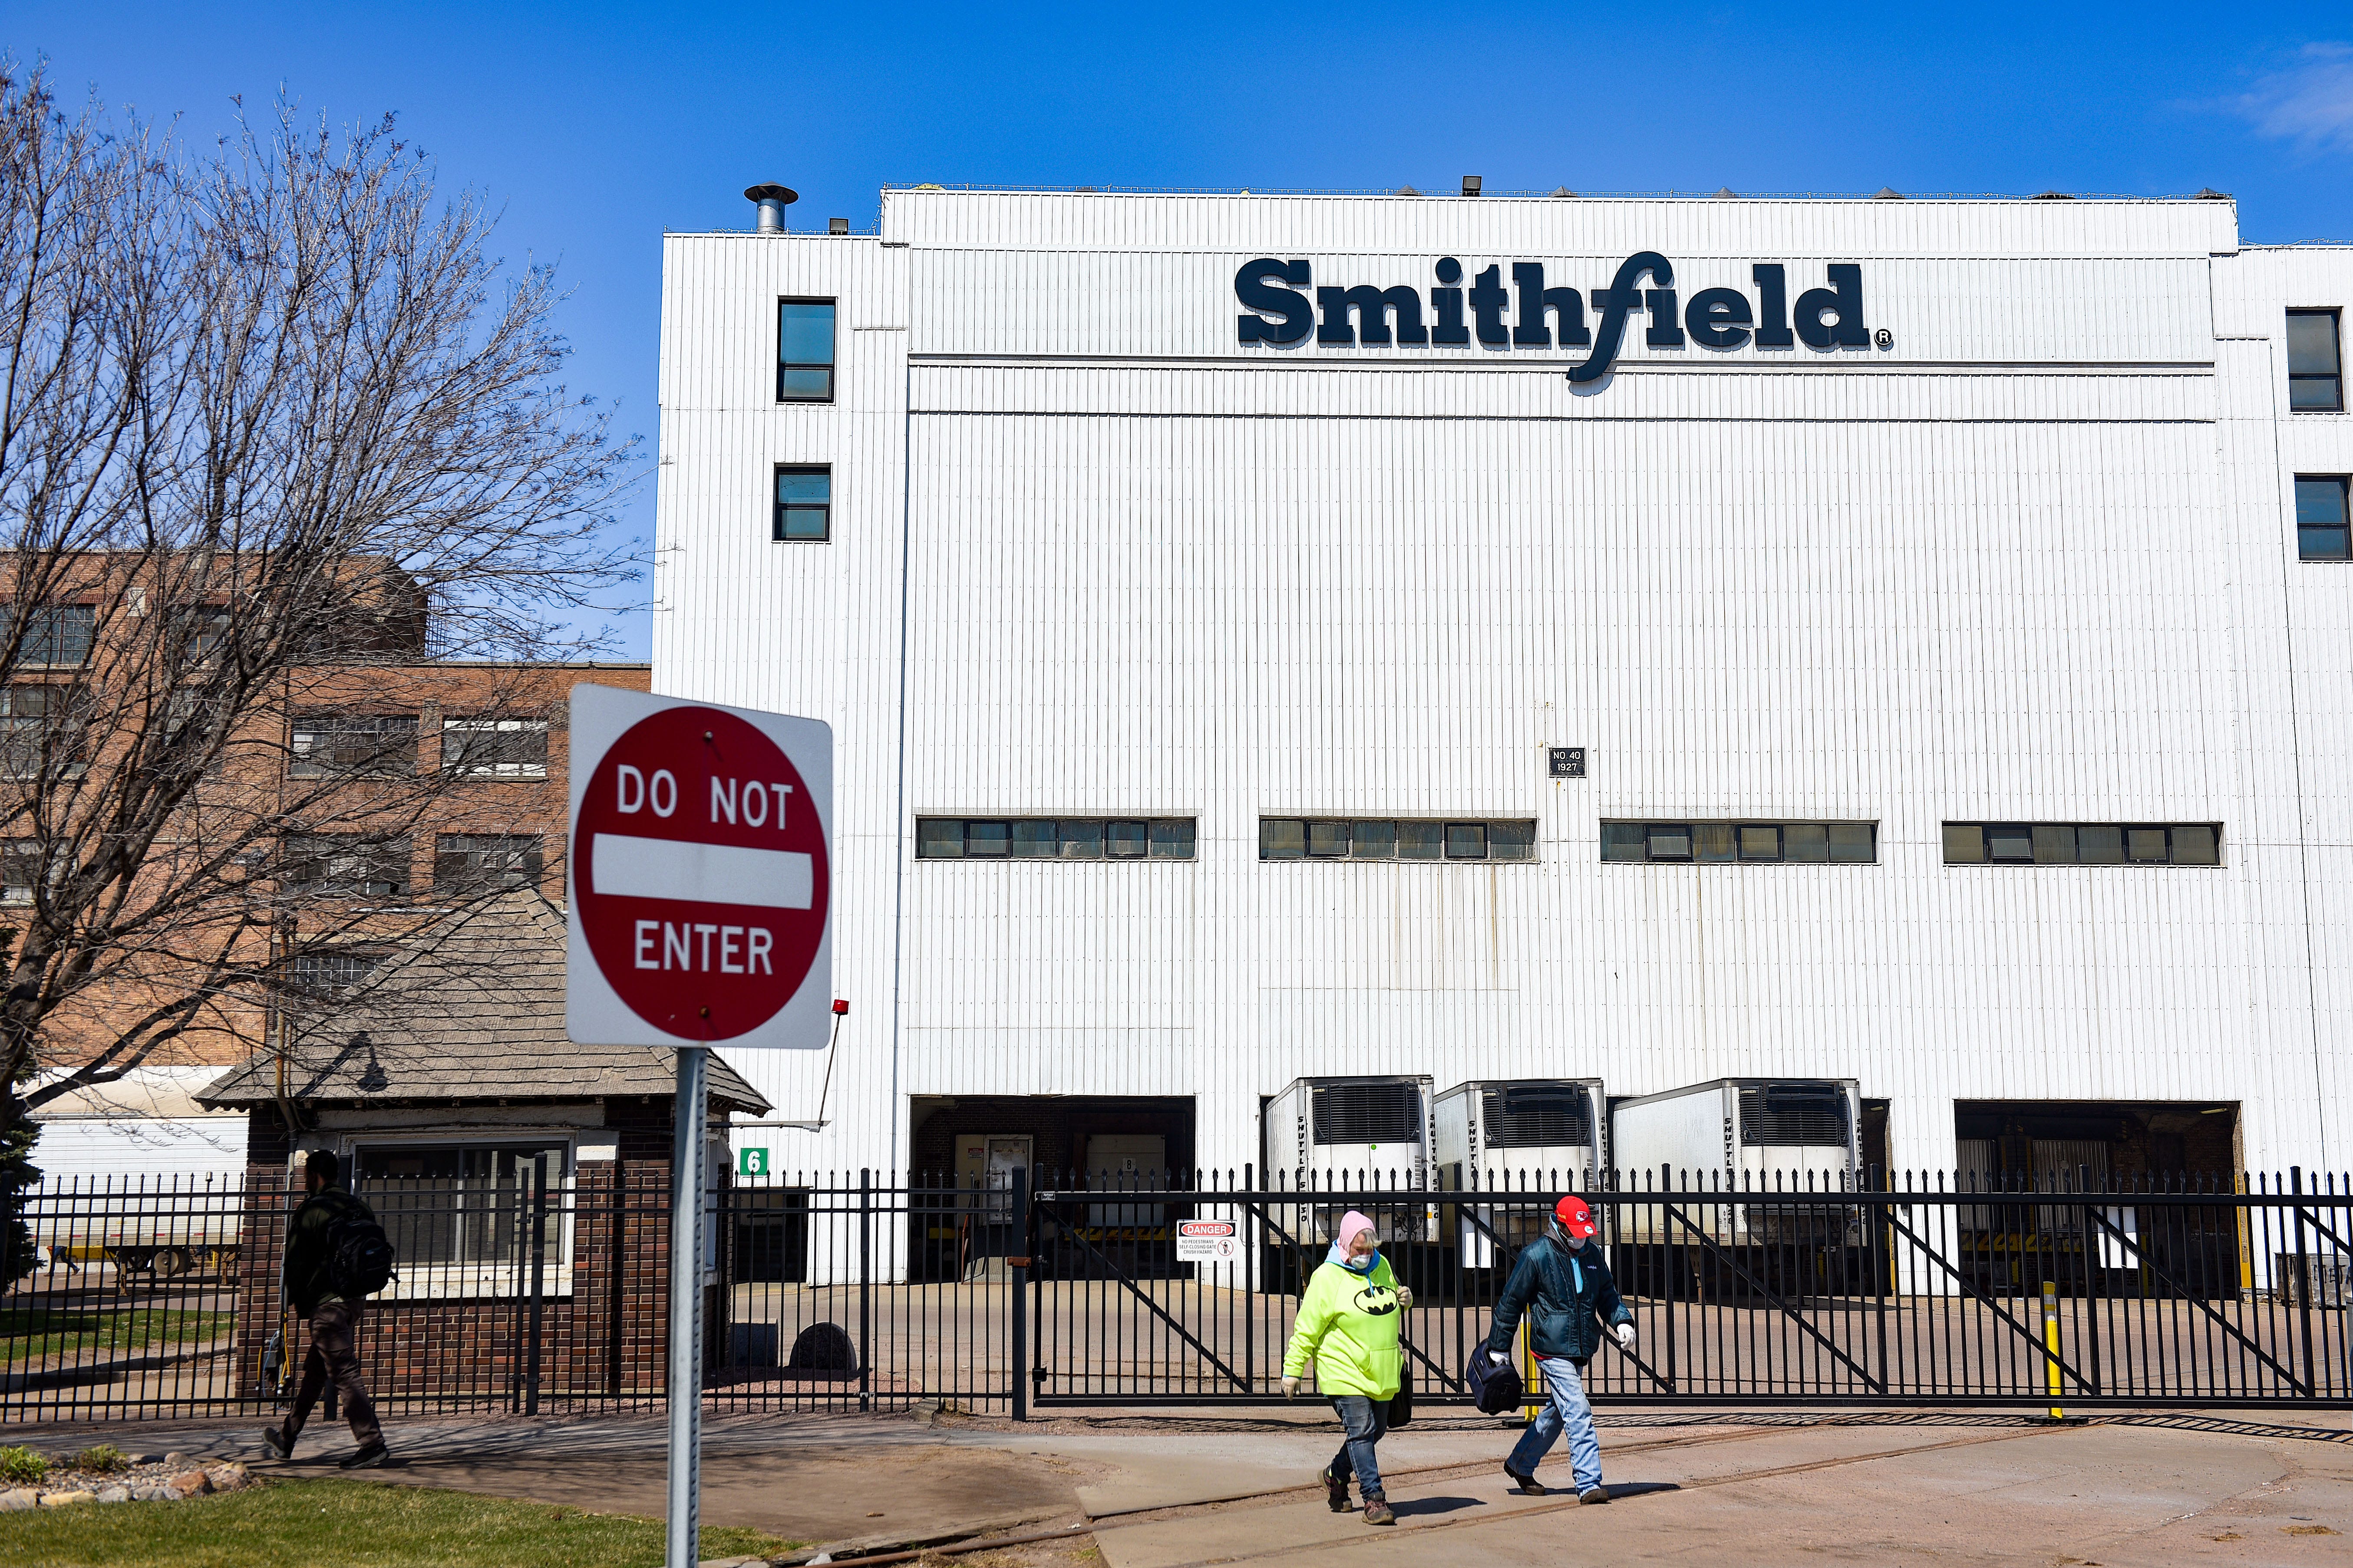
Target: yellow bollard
x=1533, y=1392
x=2051, y=1347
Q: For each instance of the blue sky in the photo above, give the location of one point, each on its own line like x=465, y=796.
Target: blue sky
x=598, y=126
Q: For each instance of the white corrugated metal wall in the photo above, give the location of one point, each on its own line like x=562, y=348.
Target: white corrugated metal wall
x=2035, y=559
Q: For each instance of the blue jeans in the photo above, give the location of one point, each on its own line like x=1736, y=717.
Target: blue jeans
x=1366, y=1419
x=1567, y=1408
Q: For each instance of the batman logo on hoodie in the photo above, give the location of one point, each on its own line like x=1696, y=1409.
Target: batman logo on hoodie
x=1377, y=1300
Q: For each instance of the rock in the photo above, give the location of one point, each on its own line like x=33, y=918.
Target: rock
x=153, y=1494
x=16, y=1500
x=227, y=1477
x=190, y=1483
x=66, y=1499
x=114, y=1494
x=176, y=1461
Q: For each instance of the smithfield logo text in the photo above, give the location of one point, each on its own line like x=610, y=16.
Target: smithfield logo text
x=1274, y=294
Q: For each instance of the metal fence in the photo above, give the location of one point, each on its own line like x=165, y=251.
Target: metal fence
x=529, y=1286
x=2074, y=1291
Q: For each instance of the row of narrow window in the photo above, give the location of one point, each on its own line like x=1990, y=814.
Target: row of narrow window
x=352, y=865
x=1515, y=838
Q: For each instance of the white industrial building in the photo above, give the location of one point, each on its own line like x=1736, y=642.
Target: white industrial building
x=1902, y=662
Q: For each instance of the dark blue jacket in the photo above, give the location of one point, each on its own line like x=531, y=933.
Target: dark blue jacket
x=1567, y=1296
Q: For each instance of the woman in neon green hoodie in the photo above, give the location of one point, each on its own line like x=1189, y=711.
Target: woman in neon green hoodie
x=1348, y=1327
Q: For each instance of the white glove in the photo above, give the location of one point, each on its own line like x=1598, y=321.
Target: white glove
x=1625, y=1336
x=1404, y=1298
x=1291, y=1388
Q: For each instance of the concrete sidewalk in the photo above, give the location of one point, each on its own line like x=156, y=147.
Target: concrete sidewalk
x=1172, y=1490
x=2109, y=1494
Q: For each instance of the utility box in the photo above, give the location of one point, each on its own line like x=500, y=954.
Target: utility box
x=1343, y=1134
x=1539, y=1136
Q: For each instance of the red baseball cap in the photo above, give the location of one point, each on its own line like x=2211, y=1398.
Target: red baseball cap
x=1575, y=1217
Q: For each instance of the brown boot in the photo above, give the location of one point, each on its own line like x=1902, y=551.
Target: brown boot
x=1335, y=1492
x=1377, y=1509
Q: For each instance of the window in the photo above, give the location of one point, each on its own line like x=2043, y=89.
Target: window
x=805, y=504
x=2313, y=377
x=348, y=864
x=2082, y=844
x=43, y=730
x=460, y=1204
x=1055, y=838
x=1743, y=843
x=202, y=631
x=495, y=748
x=20, y=869
x=804, y=351
x=1390, y=838
x=2320, y=520
x=58, y=634
x=335, y=971
x=465, y=863
x=370, y=745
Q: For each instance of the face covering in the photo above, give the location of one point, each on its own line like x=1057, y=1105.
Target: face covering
x=1352, y=1223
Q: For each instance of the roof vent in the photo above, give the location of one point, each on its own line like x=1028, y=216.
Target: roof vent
x=1888, y=193
x=1406, y=191
x=2210, y=194
x=837, y=226
x=1727, y=193
x=1470, y=184
x=1564, y=190
x=2054, y=196
x=773, y=200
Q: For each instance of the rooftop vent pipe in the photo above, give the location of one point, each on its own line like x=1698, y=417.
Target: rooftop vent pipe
x=1470, y=184
x=773, y=200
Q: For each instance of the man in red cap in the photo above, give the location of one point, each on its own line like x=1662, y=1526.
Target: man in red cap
x=1566, y=1291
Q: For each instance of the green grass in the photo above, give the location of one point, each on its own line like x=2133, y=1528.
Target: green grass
x=26, y=1333
x=350, y=1524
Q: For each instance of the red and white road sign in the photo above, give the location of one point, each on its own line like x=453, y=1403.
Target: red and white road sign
x=701, y=875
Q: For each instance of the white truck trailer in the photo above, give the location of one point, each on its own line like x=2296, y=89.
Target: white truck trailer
x=1341, y=1134
x=1539, y=1136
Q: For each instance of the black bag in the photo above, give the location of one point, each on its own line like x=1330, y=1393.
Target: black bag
x=359, y=1254
x=1401, y=1407
x=1493, y=1381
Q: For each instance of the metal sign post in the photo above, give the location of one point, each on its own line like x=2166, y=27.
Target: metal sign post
x=685, y=1510
x=699, y=912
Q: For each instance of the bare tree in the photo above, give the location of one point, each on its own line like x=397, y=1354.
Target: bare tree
x=274, y=422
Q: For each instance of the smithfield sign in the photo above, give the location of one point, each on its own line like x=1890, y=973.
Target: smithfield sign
x=1278, y=309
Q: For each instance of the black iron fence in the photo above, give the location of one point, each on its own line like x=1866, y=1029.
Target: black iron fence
x=530, y=1286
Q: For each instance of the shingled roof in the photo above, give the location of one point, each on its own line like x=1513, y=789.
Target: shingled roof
x=471, y=1009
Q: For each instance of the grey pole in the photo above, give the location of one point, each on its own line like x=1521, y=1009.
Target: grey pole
x=684, y=1388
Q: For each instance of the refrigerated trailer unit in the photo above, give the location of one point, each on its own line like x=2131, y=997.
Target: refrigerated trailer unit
x=1342, y=1133
x=1780, y=1150
x=1532, y=1135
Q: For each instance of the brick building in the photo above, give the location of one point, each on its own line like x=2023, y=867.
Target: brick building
x=465, y=765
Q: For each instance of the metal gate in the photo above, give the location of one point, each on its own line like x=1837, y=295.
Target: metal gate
x=2084, y=1295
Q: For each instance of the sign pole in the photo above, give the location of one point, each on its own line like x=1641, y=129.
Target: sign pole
x=685, y=1382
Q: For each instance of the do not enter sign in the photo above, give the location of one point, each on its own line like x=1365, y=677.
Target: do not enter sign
x=700, y=874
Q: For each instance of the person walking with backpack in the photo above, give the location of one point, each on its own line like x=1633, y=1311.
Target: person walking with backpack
x=335, y=1255
x=1566, y=1291
x=1347, y=1326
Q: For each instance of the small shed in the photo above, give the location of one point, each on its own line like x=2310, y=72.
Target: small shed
x=508, y=1164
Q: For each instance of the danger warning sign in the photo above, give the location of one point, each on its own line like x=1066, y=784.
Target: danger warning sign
x=700, y=874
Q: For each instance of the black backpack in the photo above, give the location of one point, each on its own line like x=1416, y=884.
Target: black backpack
x=359, y=1254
